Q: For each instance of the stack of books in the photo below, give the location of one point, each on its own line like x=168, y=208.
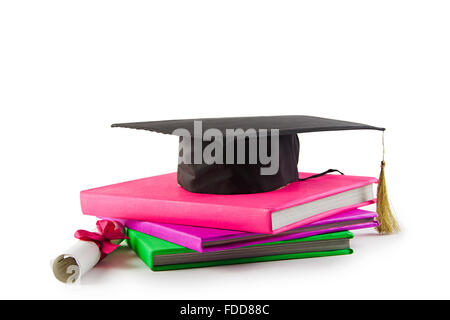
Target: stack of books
x=171, y=228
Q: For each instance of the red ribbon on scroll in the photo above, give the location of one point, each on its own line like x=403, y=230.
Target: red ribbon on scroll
x=107, y=232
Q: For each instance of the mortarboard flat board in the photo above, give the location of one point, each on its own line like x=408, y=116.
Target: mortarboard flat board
x=287, y=125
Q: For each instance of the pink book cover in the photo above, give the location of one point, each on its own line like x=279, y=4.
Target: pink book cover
x=196, y=238
x=161, y=199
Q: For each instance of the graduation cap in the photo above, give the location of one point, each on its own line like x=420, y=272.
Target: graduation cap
x=251, y=154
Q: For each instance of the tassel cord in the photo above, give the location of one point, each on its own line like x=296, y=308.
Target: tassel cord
x=388, y=223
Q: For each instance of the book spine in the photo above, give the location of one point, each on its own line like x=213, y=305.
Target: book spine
x=195, y=214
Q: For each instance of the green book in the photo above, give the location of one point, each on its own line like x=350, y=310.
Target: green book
x=162, y=255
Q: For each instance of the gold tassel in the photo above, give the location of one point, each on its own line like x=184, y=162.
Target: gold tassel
x=388, y=224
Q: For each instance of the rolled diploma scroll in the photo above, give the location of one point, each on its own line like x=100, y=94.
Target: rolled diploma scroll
x=78, y=259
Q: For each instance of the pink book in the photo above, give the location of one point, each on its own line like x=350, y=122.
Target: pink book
x=161, y=199
x=208, y=239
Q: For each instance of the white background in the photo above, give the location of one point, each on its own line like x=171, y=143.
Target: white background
x=69, y=69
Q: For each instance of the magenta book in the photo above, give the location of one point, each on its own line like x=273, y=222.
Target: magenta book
x=161, y=199
x=208, y=239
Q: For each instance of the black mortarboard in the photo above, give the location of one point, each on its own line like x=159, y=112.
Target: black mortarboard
x=235, y=155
